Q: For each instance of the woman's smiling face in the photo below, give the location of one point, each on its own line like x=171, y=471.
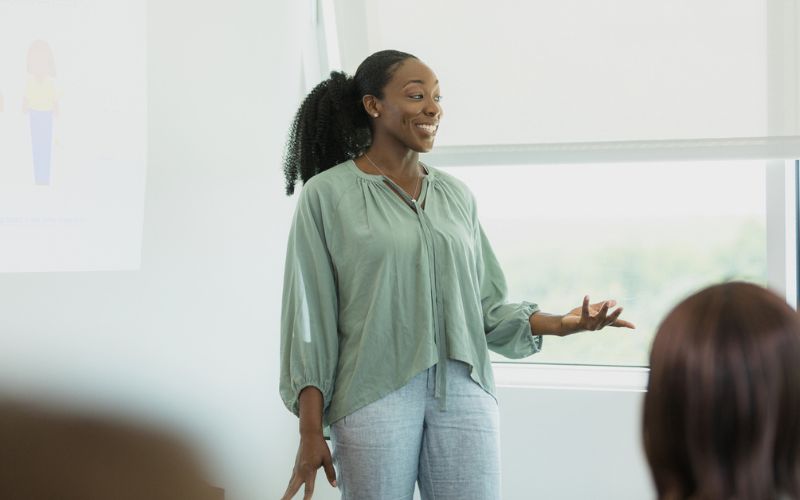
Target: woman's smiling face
x=409, y=111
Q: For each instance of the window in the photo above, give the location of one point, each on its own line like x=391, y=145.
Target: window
x=645, y=234
x=628, y=149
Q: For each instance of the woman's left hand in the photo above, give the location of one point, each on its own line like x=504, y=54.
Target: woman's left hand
x=592, y=317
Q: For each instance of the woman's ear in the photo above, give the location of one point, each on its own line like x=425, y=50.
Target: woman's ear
x=371, y=105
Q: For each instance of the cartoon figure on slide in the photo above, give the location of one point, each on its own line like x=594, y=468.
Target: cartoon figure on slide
x=41, y=105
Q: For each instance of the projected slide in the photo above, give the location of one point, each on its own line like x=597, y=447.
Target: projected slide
x=73, y=131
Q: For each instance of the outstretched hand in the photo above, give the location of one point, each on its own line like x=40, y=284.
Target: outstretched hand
x=593, y=317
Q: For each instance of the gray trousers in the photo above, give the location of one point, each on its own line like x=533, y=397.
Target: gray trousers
x=381, y=450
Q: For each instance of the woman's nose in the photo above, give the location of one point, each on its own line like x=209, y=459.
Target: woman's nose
x=433, y=108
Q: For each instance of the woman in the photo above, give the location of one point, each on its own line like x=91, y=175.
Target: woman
x=392, y=295
x=722, y=410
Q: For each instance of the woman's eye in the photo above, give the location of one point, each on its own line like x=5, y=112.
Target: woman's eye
x=420, y=96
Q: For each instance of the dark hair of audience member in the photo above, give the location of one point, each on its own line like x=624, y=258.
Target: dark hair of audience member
x=54, y=454
x=722, y=410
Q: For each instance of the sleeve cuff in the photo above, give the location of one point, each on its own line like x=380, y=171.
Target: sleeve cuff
x=291, y=396
x=536, y=340
x=513, y=338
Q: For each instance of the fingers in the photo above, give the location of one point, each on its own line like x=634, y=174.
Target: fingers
x=327, y=464
x=613, y=320
x=613, y=317
x=585, y=308
x=310, y=486
x=294, y=485
x=624, y=324
x=597, y=305
x=309, y=477
x=599, y=321
x=602, y=318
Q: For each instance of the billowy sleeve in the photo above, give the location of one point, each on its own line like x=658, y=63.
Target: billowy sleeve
x=309, y=313
x=507, y=325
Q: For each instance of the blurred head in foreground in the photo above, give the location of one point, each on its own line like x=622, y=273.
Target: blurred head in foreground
x=722, y=410
x=48, y=455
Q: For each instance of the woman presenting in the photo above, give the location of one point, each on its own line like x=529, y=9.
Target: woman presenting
x=393, y=297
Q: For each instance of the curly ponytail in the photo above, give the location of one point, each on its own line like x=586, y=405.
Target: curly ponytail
x=332, y=125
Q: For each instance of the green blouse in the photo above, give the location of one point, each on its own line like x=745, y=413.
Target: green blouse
x=379, y=287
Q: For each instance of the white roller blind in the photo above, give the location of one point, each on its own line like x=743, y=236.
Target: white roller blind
x=595, y=71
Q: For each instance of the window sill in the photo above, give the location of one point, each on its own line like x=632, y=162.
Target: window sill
x=571, y=377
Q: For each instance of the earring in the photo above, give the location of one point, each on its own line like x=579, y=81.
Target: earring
x=375, y=115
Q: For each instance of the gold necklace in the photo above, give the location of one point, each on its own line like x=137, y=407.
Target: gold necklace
x=416, y=189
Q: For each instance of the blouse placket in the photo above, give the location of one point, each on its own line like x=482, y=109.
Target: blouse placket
x=427, y=232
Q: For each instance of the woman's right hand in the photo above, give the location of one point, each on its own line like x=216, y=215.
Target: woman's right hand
x=312, y=454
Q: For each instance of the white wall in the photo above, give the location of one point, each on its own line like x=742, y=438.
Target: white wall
x=190, y=341
x=572, y=444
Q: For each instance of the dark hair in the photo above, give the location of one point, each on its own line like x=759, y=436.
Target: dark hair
x=722, y=409
x=331, y=125
x=51, y=452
